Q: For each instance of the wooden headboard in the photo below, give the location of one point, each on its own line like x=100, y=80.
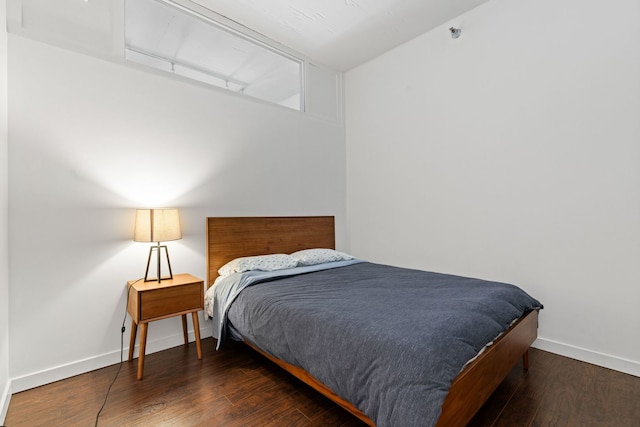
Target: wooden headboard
x=232, y=237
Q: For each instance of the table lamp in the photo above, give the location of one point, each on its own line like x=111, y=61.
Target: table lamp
x=157, y=225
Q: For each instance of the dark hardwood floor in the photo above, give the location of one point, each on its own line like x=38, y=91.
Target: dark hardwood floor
x=237, y=387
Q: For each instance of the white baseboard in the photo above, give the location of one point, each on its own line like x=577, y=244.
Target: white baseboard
x=61, y=372
x=5, y=398
x=57, y=373
x=627, y=366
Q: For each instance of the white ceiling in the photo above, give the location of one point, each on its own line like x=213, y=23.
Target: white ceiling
x=340, y=34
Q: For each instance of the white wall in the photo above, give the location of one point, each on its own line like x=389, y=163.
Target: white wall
x=513, y=154
x=90, y=140
x=4, y=225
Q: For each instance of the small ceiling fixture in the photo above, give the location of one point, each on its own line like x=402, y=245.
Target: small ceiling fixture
x=455, y=32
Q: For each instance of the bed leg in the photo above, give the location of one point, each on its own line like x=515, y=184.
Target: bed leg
x=525, y=360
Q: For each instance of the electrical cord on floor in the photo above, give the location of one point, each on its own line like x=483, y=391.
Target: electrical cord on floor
x=122, y=329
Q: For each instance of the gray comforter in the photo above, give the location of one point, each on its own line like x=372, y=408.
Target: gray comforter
x=389, y=340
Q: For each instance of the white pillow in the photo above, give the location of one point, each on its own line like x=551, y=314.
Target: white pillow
x=319, y=256
x=260, y=262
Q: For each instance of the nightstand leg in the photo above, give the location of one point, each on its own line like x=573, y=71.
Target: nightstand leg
x=132, y=340
x=141, y=350
x=184, y=329
x=196, y=331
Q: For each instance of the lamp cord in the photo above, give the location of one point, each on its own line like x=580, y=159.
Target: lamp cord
x=122, y=329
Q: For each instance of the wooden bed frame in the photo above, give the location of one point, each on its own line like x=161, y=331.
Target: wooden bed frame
x=232, y=237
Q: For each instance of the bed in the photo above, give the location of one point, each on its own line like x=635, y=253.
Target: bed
x=229, y=238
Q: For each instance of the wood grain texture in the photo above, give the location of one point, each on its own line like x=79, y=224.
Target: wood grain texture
x=232, y=237
x=232, y=387
x=150, y=301
x=309, y=380
x=157, y=300
x=473, y=386
x=237, y=387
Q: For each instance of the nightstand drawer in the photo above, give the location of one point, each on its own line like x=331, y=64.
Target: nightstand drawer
x=165, y=302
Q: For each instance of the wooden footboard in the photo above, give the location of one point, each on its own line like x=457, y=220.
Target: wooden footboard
x=469, y=390
x=473, y=386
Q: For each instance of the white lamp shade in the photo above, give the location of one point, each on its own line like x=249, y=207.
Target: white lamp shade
x=157, y=225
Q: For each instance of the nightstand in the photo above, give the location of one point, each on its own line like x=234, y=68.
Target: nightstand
x=149, y=301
